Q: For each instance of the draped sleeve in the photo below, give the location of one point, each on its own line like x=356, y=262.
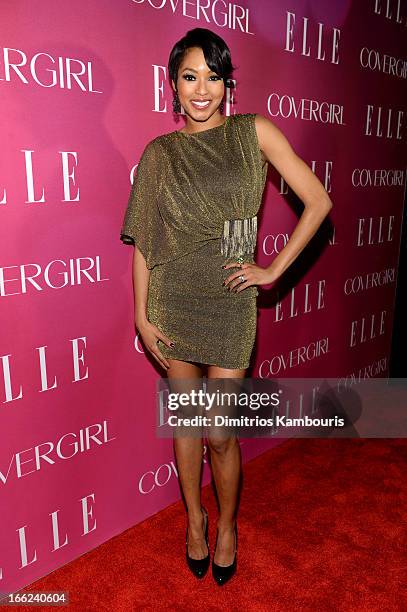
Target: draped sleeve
x=141, y=223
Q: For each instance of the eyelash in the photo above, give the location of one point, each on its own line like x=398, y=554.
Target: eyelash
x=218, y=78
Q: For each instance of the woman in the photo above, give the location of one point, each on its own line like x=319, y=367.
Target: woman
x=192, y=215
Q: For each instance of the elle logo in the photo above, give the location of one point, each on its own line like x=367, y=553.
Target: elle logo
x=65, y=175
x=378, y=230
x=366, y=329
x=86, y=513
x=306, y=49
x=78, y=359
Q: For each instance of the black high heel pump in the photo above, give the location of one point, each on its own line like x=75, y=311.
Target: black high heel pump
x=199, y=567
x=222, y=573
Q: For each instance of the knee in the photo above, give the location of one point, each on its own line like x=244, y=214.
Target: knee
x=221, y=446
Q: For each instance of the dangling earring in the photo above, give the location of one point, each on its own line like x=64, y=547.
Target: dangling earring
x=221, y=106
x=176, y=104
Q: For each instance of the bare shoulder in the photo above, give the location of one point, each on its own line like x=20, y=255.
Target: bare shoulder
x=272, y=141
x=296, y=173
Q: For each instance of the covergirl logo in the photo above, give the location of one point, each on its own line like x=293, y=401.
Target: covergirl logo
x=161, y=476
x=369, y=280
x=378, y=177
x=299, y=355
x=381, y=62
x=31, y=460
x=372, y=370
x=32, y=277
x=306, y=109
x=46, y=70
x=219, y=12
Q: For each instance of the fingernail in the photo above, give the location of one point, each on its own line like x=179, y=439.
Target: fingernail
x=171, y=343
x=223, y=266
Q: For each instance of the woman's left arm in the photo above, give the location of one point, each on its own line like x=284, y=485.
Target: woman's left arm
x=300, y=178
x=305, y=185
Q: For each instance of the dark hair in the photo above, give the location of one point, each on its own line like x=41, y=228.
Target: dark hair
x=215, y=50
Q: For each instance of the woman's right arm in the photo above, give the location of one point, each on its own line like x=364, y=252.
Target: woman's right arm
x=141, y=276
x=149, y=332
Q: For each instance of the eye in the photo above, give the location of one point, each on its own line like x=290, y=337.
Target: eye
x=188, y=76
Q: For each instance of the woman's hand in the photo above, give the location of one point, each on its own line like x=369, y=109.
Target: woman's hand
x=150, y=334
x=253, y=275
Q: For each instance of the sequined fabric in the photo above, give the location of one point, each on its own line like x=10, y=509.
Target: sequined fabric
x=187, y=186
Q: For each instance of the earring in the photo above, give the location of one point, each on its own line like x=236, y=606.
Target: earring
x=221, y=106
x=176, y=104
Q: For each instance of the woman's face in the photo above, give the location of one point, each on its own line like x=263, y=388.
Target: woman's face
x=196, y=83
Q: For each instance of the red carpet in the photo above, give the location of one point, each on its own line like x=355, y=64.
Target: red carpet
x=320, y=529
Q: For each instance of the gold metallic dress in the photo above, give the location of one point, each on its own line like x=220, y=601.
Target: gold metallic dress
x=193, y=207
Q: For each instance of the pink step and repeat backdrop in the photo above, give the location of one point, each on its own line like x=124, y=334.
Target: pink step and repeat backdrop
x=84, y=86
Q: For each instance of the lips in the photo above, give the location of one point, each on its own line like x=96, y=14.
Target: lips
x=200, y=103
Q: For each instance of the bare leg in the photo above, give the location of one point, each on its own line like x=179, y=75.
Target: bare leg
x=226, y=468
x=189, y=454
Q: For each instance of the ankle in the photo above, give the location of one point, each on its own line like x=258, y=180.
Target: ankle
x=227, y=525
x=195, y=517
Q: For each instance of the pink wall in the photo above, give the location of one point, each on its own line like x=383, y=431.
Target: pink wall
x=79, y=459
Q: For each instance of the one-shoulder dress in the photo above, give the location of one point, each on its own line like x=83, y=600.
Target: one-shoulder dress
x=192, y=208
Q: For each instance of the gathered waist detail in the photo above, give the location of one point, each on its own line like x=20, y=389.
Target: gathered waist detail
x=239, y=236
